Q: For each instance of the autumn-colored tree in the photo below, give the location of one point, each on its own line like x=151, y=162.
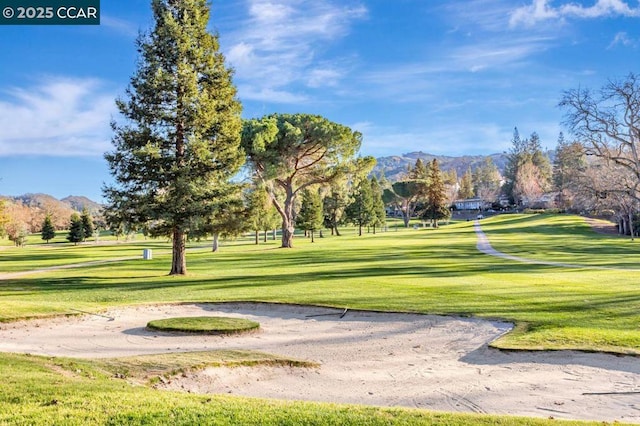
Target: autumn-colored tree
x=526, y=151
x=4, y=218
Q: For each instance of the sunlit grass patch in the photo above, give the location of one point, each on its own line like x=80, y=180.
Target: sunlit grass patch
x=204, y=325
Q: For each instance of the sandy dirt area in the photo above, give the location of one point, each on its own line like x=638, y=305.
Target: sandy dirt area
x=384, y=359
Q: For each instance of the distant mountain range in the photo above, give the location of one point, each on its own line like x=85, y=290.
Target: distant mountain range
x=394, y=167
x=46, y=201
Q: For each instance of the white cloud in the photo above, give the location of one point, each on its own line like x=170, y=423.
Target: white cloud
x=265, y=94
x=125, y=28
x=541, y=10
x=324, y=77
x=281, y=40
x=442, y=139
x=497, y=53
x=622, y=38
x=59, y=117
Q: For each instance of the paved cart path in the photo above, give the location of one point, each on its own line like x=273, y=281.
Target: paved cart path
x=485, y=247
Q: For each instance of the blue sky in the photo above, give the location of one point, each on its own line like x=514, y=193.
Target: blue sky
x=445, y=77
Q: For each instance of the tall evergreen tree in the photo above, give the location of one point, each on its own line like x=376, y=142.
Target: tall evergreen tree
x=568, y=167
x=310, y=217
x=538, y=167
x=87, y=223
x=76, y=229
x=486, y=181
x=181, y=140
x=379, y=214
x=48, y=230
x=466, y=185
x=436, y=207
x=334, y=205
x=360, y=211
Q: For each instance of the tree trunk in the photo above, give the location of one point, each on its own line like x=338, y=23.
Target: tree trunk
x=179, y=259
x=360, y=230
x=274, y=235
x=312, y=240
x=287, y=236
x=216, y=238
x=287, y=222
x=374, y=230
x=265, y=235
x=631, y=230
x=337, y=232
x=405, y=218
x=257, y=236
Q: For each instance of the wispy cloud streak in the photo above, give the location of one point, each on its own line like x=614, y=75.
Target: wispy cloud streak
x=60, y=117
x=542, y=10
x=279, y=44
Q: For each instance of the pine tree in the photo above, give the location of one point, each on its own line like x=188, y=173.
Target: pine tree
x=310, y=217
x=526, y=152
x=360, y=211
x=48, y=231
x=436, y=206
x=87, y=224
x=486, y=181
x=334, y=205
x=76, y=229
x=466, y=186
x=291, y=152
x=568, y=166
x=379, y=213
x=181, y=139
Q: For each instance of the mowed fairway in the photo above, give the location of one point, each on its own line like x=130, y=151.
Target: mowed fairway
x=424, y=270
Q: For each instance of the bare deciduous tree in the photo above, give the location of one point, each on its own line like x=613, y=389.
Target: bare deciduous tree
x=607, y=123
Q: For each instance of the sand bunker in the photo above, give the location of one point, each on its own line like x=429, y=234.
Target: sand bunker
x=385, y=359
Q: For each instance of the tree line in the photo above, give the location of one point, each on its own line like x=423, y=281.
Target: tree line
x=181, y=143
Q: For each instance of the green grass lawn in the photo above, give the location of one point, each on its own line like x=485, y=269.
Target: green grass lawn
x=204, y=325
x=415, y=270
x=58, y=391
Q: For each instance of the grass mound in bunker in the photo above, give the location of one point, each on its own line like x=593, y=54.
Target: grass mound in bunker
x=204, y=325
